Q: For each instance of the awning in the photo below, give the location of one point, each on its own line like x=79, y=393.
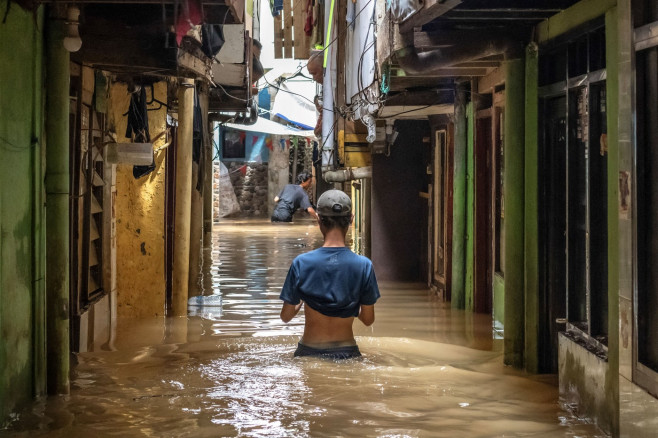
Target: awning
x=269, y=127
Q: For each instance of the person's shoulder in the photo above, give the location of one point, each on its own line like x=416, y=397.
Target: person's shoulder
x=306, y=256
x=362, y=259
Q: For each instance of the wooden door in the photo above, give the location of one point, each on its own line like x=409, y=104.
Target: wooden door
x=483, y=266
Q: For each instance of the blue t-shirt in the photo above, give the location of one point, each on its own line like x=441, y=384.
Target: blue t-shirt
x=333, y=281
x=291, y=198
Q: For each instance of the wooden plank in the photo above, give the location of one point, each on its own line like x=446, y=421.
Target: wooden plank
x=431, y=10
x=298, y=29
x=301, y=40
x=229, y=74
x=287, y=29
x=572, y=17
x=278, y=37
x=487, y=83
x=305, y=45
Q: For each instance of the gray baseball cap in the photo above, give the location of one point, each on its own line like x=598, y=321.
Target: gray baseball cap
x=334, y=203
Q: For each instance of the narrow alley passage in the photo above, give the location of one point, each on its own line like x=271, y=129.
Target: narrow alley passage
x=227, y=370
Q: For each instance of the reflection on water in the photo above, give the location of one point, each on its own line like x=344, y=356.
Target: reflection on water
x=426, y=370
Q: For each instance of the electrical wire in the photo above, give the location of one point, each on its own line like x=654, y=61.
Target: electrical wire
x=296, y=94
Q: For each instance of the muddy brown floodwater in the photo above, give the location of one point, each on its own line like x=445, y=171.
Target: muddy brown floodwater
x=427, y=370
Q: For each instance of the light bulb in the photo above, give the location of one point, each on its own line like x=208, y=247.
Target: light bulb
x=72, y=41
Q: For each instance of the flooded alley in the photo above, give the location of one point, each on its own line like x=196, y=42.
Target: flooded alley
x=227, y=370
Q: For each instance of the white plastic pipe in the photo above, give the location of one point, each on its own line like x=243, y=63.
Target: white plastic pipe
x=349, y=174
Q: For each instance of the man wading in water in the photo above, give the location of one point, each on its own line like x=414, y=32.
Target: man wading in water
x=335, y=283
x=292, y=197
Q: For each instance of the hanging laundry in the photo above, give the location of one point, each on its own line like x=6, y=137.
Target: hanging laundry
x=137, y=128
x=308, y=25
x=257, y=143
x=212, y=39
x=190, y=15
x=197, y=140
x=276, y=6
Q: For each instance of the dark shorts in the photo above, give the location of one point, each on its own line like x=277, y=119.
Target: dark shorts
x=281, y=216
x=345, y=352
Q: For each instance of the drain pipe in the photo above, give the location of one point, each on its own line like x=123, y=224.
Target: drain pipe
x=413, y=62
x=57, y=201
x=327, y=93
x=349, y=174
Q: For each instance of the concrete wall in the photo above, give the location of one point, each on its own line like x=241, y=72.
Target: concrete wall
x=140, y=216
x=397, y=181
x=22, y=254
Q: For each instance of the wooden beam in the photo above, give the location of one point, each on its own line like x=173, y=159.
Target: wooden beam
x=479, y=64
x=440, y=38
x=416, y=111
x=446, y=38
x=422, y=98
x=287, y=29
x=578, y=14
x=431, y=10
x=278, y=37
x=454, y=71
x=300, y=42
x=490, y=81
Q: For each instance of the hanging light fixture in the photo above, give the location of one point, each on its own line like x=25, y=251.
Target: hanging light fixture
x=72, y=41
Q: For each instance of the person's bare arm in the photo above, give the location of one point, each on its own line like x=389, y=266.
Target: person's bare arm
x=288, y=311
x=367, y=314
x=312, y=212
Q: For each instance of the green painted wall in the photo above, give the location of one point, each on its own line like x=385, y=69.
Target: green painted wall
x=531, y=232
x=469, y=285
x=514, y=212
x=21, y=188
x=612, y=114
x=459, y=202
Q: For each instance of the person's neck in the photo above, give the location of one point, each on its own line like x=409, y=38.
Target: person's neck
x=334, y=238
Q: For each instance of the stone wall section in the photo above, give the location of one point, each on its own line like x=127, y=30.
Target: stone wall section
x=250, y=187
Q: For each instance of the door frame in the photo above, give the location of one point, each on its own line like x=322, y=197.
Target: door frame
x=484, y=199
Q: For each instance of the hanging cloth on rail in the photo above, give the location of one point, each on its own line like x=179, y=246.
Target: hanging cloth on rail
x=138, y=128
x=198, y=136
